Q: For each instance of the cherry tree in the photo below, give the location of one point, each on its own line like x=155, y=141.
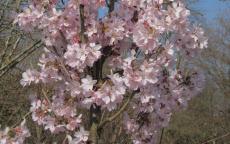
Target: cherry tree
x=134, y=63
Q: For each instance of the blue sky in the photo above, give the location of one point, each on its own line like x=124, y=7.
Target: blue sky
x=211, y=8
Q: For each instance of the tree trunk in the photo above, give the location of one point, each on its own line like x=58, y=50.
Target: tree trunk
x=95, y=115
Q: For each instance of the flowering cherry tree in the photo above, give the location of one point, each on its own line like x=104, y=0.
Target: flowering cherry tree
x=135, y=62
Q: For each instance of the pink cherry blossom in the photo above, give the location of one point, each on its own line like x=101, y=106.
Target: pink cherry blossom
x=20, y=133
x=30, y=76
x=139, y=53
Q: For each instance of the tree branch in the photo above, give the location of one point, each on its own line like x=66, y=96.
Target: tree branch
x=119, y=112
x=162, y=133
x=111, y=5
x=14, y=47
x=217, y=138
x=19, y=58
x=82, y=20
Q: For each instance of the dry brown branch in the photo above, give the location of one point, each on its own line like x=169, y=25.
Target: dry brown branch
x=5, y=68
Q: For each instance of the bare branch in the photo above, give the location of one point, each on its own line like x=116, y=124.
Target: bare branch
x=19, y=58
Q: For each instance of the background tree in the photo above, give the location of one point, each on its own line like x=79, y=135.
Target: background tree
x=206, y=120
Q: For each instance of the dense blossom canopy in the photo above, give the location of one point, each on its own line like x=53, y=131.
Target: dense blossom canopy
x=139, y=51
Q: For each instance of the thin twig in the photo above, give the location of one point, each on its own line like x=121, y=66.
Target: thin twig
x=14, y=47
x=7, y=43
x=217, y=138
x=19, y=58
x=46, y=97
x=102, y=117
x=121, y=110
x=162, y=134
x=24, y=117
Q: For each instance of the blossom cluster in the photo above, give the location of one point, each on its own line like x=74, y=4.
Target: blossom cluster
x=140, y=46
x=15, y=135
